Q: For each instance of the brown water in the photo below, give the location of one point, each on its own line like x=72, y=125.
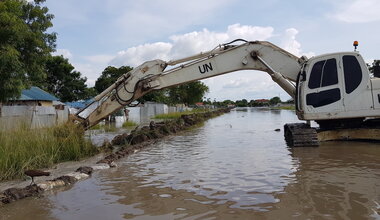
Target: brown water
x=234, y=167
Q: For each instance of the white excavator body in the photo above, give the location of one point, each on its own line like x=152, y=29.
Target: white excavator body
x=332, y=89
x=337, y=86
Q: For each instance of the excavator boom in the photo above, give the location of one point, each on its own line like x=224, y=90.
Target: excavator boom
x=281, y=65
x=335, y=90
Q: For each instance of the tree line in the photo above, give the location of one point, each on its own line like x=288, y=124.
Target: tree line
x=26, y=59
x=245, y=103
x=188, y=93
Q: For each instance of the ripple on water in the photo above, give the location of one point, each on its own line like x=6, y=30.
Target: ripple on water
x=208, y=162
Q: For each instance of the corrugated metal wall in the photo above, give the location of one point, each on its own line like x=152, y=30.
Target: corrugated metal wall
x=12, y=117
x=145, y=113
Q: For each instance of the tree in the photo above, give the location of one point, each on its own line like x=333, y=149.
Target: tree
x=371, y=68
x=24, y=45
x=207, y=101
x=91, y=92
x=109, y=75
x=242, y=103
x=63, y=81
x=228, y=102
x=188, y=93
x=274, y=100
x=290, y=101
x=160, y=96
x=252, y=103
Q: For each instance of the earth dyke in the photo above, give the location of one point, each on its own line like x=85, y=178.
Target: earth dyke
x=126, y=144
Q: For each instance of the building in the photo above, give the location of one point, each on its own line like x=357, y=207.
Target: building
x=35, y=108
x=74, y=107
x=199, y=104
x=263, y=101
x=33, y=97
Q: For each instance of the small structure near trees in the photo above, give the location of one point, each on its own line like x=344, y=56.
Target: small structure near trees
x=34, y=108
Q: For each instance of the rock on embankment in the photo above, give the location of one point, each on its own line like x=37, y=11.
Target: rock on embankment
x=159, y=130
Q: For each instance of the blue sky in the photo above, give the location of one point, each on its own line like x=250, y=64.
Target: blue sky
x=93, y=34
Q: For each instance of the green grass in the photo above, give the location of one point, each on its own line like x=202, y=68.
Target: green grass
x=129, y=124
x=96, y=127
x=287, y=107
x=24, y=148
x=109, y=128
x=175, y=115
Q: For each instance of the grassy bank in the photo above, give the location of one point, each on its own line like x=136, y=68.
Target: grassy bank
x=175, y=115
x=24, y=148
x=129, y=124
x=159, y=130
x=286, y=107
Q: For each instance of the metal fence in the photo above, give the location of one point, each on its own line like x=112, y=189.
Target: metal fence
x=145, y=113
x=12, y=117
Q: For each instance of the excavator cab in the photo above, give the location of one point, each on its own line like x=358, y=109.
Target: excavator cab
x=334, y=86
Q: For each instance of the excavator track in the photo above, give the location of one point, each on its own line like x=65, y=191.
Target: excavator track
x=300, y=135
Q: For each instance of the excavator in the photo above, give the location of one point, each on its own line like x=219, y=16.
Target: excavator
x=335, y=90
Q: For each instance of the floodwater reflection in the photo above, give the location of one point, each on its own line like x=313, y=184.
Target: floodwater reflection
x=235, y=166
x=339, y=180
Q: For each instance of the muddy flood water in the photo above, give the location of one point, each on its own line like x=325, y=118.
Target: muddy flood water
x=235, y=166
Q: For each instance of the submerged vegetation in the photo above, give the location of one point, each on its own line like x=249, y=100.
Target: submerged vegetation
x=25, y=148
x=285, y=107
x=129, y=124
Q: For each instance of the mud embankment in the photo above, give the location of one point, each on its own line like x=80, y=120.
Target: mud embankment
x=128, y=144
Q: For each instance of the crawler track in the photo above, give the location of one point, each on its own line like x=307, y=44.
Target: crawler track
x=300, y=135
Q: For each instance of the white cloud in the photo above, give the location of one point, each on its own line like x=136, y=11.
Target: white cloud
x=102, y=59
x=290, y=44
x=244, y=85
x=89, y=70
x=237, y=85
x=150, y=18
x=358, y=11
x=135, y=56
x=249, y=32
x=89, y=66
x=93, y=66
x=64, y=52
x=189, y=44
x=195, y=42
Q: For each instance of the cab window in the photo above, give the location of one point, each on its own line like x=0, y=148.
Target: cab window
x=352, y=73
x=324, y=73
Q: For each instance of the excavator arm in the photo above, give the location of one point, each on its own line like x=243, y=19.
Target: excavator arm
x=281, y=65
